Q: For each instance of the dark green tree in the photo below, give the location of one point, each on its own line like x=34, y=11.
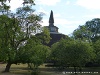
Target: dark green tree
x=97, y=50
x=37, y=53
x=90, y=30
x=9, y=34
x=76, y=53
x=15, y=31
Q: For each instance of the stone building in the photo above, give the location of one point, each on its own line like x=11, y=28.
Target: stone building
x=54, y=33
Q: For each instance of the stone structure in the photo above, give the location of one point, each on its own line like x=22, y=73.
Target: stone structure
x=54, y=33
x=51, y=27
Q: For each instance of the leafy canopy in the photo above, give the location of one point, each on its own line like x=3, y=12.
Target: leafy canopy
x=73, y=52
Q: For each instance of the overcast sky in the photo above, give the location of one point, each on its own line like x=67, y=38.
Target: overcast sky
x=68, y=14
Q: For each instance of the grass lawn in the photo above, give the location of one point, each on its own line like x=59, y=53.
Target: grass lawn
x=22, y=69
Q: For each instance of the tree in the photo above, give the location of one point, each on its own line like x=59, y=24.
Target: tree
x=44, y=36
x=97, y=50
x=73, y=52
x=15, y=30
x=82, y=33
x=9, y=29
x=37, y=53
x=90, y=30
x=12, y=38
x=24, y=1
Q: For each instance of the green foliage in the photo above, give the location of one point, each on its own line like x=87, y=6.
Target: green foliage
x=29, y=21
x=97, y=50
x=81, y=33
x=18, y=43
x=44, y=36
x=4, y=7
x=24, y=1
x=73, y=52
x=89, y=31
x=29, y=2
x=97, y=46
x=13, y=38
x=34, y=53
x=8, y=33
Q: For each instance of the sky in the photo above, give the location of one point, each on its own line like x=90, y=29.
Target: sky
x=68, y=14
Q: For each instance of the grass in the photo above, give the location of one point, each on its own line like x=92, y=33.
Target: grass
x=22, y=69
x=15, y=69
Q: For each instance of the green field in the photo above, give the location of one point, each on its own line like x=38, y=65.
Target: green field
x=22, y=69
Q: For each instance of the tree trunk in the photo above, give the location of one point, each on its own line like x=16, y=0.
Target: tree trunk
x=75, y=69
x=7, y=67
x=80, y=69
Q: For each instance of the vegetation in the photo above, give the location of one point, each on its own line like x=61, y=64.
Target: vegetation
x=97, y=50
x=18, y=43
x=23, y=40
x=90, y=30
x=76, y=53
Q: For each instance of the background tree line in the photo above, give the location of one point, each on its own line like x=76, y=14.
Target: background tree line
x=81, y=49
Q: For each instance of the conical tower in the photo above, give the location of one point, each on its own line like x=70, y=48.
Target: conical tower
x=52, y=28
x=54, y=34
x=51, y=19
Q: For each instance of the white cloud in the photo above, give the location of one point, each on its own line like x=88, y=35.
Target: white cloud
x=15, y=4
x=57, y=15
x=47, y=2
x=45, y=22
x=92, y=16
x=41, y=10
x=65, y=26
x=62, y=22
x=68, y=2
x=89, y=4
x=68, y=29
x=66, y=22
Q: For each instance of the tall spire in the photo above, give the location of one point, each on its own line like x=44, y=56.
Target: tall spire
x=51, y=19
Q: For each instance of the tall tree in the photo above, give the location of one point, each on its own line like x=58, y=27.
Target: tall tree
x=9, y=30
x=97, y=50
x=37, y=52
x=73, y=52
x=90, y=30
x=15, y=31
